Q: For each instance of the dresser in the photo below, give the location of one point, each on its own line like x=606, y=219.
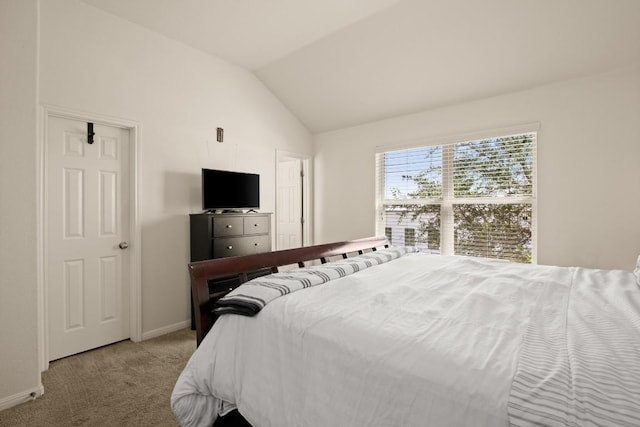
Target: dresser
x=224, y=235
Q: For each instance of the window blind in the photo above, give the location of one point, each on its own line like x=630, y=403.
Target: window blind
x=473, y=198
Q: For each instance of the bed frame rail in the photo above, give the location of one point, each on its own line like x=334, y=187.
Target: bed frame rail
x=203, y=271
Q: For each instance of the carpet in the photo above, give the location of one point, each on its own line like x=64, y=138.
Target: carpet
x=123, y=384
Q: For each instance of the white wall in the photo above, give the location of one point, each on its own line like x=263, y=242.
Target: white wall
x=90, y=61
x=588, y=165
x=19, y=374
x=93, y=61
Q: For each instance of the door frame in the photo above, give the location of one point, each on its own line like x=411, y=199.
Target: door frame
x=46, y=112
x=307, y=196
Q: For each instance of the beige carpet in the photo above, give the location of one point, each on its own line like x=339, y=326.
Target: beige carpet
x=124, y=384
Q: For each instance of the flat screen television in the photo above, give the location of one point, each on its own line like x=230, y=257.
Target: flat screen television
x=228, y=190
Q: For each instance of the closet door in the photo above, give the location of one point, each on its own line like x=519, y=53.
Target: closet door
x=87, y=234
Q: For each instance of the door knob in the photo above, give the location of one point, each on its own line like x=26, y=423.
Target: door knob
x=123, y=245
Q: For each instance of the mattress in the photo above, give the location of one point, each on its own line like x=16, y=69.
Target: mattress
x=420, y=340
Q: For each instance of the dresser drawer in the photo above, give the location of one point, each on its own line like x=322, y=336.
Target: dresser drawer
x=258, y=224
x=223, y=286
x=231, y=246
x=227, y=226
x=236, y=246
x=258, y=244
x=220, y=287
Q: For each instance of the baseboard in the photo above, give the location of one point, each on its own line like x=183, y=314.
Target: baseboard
x=166, y=330
x=22, y=397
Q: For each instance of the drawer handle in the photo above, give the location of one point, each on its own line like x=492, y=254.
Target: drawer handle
x=255, y=225
x=229, y=247
x=256, y=244
x=229, y=226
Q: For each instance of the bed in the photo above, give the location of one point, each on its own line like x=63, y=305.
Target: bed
x=387, y=337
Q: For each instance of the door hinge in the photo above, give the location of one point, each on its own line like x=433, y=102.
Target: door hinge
x=301, y=174
x=302, y=220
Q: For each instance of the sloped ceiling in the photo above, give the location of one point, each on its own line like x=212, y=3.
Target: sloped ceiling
x=339, y=63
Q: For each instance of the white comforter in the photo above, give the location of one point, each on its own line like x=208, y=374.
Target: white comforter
x=579, y=362
x=422, y=340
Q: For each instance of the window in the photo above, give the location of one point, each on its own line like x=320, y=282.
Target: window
x=472, y=198
x=410, y=236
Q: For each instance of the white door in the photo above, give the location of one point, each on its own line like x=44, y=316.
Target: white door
x=87, y=233
x=289, y=213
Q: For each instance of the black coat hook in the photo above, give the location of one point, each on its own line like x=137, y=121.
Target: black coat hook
x=90, y=133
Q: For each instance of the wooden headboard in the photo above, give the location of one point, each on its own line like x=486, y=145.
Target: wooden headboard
x=203, y=271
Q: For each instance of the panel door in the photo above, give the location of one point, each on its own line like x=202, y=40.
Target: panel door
x=289, y=213
x=87, y=233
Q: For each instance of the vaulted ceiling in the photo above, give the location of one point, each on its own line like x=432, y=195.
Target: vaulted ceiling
x=339, y=63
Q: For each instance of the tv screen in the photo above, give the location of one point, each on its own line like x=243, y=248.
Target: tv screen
x=230, y=190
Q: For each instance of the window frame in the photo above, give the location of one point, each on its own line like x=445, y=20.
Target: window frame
x=447, y=233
